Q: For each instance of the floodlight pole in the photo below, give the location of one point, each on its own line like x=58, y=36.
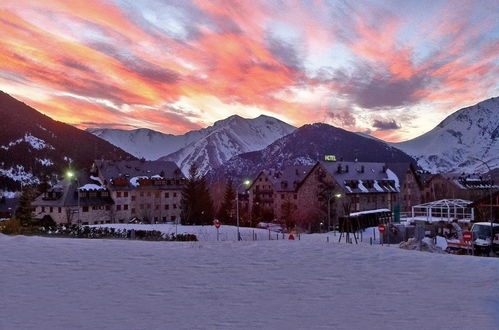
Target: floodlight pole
x=246, y=182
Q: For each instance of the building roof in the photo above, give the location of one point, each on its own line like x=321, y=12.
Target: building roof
x=66, y=190
x=400, y=169
x=363, y=177
x=289, y=178
x=469, y=181
x=133, y=171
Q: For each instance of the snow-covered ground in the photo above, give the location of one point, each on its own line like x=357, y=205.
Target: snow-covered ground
x=203, y=233
x=55, y=283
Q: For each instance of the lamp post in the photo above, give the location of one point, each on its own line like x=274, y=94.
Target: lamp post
x=337, y=195
x=70, y=175
x=491, y=253
x=246, y=183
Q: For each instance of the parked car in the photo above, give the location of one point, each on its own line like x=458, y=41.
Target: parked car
x=481, y=238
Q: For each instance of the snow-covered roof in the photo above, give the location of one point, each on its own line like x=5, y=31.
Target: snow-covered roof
x=91, y=186
x=363, y=177
x=354, y=214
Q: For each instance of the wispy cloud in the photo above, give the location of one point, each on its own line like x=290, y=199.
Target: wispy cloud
x=177, y=65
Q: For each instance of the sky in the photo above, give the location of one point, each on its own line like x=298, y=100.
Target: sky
x=393, y=69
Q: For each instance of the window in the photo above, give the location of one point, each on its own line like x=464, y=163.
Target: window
x=133, y=198
x=174, y=206
x=148, y=194
x=125, y=207
x=43, y=208
x=148, y=206
x=85, y=209
x=167, y=207
x=51, y=209
x=156, y=207
x=125, y=194
x=141, y=206
x=174, y=194
x=295, y=196
x=172, y=218
x=141, y=194
x=59, y=210
x=156, y=194
x=133, y=210
x=164, y=219
x=282, y=196
x=118, y=194
x=156, y=219
x=118, y=207
x=95, y=208
x=167, y=195
x=108, y=207
x=92, y=194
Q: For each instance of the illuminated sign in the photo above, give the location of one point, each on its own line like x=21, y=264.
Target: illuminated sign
x=330, y=158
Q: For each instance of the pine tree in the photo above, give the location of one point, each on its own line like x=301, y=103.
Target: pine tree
x=44, y=185
x=24, y=212
x=226, y=212
x=197, y=205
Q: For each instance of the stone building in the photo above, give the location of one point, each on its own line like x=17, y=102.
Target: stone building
x=63, y=205
x=346, y=187
x=116, y=192
x=150, y=191
x=410, y=183
x=273, y=194
x=301, y=195
x=456, y=186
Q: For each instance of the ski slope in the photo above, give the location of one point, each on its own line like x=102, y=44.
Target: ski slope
x=56, y=283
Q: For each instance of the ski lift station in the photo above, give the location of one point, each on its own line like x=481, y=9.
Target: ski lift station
x=444, y=210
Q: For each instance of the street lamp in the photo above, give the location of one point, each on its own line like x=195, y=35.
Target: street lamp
x=491, y=253
x=246, y=183
x=70, y=174
x=338, y=196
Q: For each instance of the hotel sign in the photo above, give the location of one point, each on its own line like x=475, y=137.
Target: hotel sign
x=330, y=158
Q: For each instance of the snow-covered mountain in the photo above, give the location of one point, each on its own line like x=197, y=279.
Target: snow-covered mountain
x=32, y=145
x=457, y=142
x=146, y=143
x=209, y=147
x=227, y=138
x=305, y=146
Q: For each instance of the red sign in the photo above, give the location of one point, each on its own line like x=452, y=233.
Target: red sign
x=381, y=228
x=217, y=223
x=467, y=236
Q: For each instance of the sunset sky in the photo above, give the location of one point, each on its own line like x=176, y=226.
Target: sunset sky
x=391, y=68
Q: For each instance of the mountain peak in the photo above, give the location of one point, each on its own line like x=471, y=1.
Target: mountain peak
x=456, y=143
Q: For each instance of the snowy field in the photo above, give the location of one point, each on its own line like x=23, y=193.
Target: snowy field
x=56, y=283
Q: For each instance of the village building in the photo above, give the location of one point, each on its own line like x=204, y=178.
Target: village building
x=67, y=203
x=149, y=191
x=456, y=186
x=487, y=207
x=116, y=192
x=344, y=188
x=302, y=195
x=273, y=194
x=410, y=186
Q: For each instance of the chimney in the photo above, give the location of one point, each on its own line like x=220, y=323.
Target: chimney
x=346, y=169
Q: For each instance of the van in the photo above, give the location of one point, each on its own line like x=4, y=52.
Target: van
x=481, y=238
